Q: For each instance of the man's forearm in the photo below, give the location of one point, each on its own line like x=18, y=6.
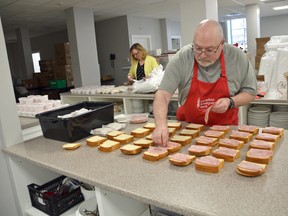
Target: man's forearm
x=243, y=98
x=160, y=107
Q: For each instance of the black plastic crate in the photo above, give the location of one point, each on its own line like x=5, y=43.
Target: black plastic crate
x=75, y=128
x=46, y=199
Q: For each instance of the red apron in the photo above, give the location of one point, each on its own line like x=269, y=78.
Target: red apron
x=202, y=95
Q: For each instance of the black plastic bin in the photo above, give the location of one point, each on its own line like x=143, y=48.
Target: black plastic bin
x=54, y=205
x=75, y=128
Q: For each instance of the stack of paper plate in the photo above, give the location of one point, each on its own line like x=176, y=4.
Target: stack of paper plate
x=259, y=116
x=280, y=108
x=279, y=119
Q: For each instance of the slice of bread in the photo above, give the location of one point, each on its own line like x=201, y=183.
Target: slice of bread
x=213, y=133
x=140, y=132
x=150, y=126
x=144, y=143
x=176, y=125
x=188, y=132
x=249, y=128
x=71, y=146
x=259, y=155
x=131, y=149
x=242, y=136
x=155, y=153
x=200, y=150
x=209, y=164
x=124, y=138
x=172, y=131
x=262, y=144
x=227, y=154
x=250, y=169
x=109, y=145
x=173, y=147
x=268, y=137
x=193, y=126
x=95, y=141
x=114, y=133
x=222, y=128
x=207, y=141
x=183, y=140
x=273, y=130
x=149, y=137
x=231, y=143
x=180, y=159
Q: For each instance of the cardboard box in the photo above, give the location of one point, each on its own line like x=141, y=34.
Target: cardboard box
x=62, y=72
x=257, y=61
x=62, y=49
x=30, y=83
x=63, y=60
x=286, y=77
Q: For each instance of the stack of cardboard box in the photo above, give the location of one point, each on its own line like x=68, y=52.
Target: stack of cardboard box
x=260, y=50
x=62, y=70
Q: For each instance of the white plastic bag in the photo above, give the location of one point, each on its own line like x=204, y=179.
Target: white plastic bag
x=150, y=84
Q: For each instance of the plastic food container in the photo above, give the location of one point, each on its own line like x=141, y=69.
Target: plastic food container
x=78, y=127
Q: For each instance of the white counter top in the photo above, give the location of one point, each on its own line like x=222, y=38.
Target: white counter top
x=180, y=189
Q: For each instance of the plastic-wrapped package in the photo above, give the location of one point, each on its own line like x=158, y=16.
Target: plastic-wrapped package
x=101, y=131
x=281, y=66
x=276, y=42
x=115, y=126
x=150, y=84
x=267, y=67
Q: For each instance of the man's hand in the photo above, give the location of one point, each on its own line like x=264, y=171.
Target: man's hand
x=221, y=105
x=160, y=135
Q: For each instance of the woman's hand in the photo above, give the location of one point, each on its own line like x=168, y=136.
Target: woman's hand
x=130, y=78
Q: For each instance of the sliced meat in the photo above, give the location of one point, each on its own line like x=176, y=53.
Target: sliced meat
x=272, y=130
x=198, y=148
x=156, y=150
x=250, y=128
x=259, y=153
x=261, y=144
x=267, y=136
x=231, y=142
x=226, y=151
x=239, y=133
x=180, y=157
x=246, y=165
x=204, y=139
x=219, y=128
x=208, y=160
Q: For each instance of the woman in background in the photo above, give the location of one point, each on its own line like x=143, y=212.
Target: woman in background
x=142, y=64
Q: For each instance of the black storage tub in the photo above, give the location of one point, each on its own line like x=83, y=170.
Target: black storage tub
x=75, y=128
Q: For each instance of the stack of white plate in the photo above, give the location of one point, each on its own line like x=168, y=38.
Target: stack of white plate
x=279, y=119
x=263, y=105
x=138, y=106
x=259, y=116
x=280, y=108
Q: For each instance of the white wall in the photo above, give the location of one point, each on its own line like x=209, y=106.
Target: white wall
x=276, y=25
x=112, y=37
x=145, y=26
x=10, y=132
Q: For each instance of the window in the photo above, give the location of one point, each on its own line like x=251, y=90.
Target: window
x=36, y=59
x=236, y=30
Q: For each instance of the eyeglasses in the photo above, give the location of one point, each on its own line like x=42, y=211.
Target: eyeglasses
x=199, y=51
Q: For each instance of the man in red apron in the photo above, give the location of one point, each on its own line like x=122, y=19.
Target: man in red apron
x=212, y=96
x=203, y=95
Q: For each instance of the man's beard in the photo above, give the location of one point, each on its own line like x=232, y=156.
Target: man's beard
x=204, y=62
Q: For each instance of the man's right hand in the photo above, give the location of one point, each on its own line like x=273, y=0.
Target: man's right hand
x=160, y=136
